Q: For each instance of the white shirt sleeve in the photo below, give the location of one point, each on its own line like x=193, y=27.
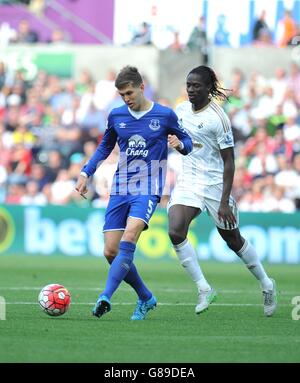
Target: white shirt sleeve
x=224, y=132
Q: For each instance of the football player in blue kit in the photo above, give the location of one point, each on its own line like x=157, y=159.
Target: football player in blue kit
x=142, y=129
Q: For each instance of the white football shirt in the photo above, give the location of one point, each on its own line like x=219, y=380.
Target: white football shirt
x=210, y=130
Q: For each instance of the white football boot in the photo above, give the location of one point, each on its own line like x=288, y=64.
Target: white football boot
x=205, y=298
x=270, y=300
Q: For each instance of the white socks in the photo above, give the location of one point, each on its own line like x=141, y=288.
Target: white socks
x=250, y=258
x=188, y=259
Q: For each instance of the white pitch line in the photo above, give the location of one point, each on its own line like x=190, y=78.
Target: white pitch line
x=166, y=290
x=159, y=304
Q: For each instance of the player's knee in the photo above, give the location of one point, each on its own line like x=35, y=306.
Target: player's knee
x=234, y=244
x=130, y=236
x=230, y=243
x=110, y=253
x=176, y=236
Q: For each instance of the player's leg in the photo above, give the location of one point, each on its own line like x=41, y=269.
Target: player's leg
x=180, y=217
x=240, y=246
x=115, y=223
x=120, y=266
x=111, y=245
x=124, y=259
x=111, y=248
x=248, y=255
x=142, y=208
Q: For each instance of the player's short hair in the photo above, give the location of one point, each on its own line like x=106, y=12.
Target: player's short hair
x=210, y=79
x=129, y=75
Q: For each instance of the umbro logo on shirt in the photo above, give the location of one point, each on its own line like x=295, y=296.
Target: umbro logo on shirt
x=200, y=126
x=122, y=125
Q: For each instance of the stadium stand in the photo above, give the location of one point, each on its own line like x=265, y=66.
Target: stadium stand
x=49, y=126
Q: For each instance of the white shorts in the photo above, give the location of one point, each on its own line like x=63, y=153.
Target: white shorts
x=206, y=198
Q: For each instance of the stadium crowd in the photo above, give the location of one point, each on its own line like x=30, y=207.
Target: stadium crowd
x=49, y=127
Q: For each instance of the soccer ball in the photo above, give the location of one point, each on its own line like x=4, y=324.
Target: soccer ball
x=54, y=299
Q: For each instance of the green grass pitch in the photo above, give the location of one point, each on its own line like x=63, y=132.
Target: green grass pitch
x=234, y=328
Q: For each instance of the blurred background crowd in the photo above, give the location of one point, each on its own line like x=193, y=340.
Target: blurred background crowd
x=50, y=126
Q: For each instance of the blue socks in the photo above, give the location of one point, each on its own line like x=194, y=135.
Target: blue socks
x=135, y=281
x=119, y=268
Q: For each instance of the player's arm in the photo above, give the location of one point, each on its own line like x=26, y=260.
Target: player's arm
x=102, y=152
x=225, y=213
x=226, y=144
x=228, y=174
x=174, y=142
x=178, y=138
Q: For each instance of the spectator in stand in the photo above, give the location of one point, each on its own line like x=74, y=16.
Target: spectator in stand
x=39, y=176
x=242, y=182
x=260, y=138
x=3, y=179
x=279, y=85
x=32, y=195
x=62, y=188
x=296, y=191
x=176, y=45
x=182, y=96
x=266, y=105
x=68, y=138
x=286, y=29
x=295, y=39
x=148, y=91
x=72, y=114
x=63, y=95
x=20, y=162
x=93, y=124
x=253, y=199
x=260, y=26
x=291, y=129
x=289, y=105
x=264, y=39
x=85, y=82
x=6, y=143
x=55, y=162
x=105, y=90
x=25, y=34
x=22, y=135
x=282, y=146
x=287, y=176
x=48, y=123
x=6, y=77
x=114, y=103
x=89, y=148
x=277, y=120
x=197, y=40
x=58, y=37
x=11, y=117
x=221, y=37
x=275, y=200
x=262, y=163
x=143, y=36
x=103, y=179
x=15, y=193
x=293, y=82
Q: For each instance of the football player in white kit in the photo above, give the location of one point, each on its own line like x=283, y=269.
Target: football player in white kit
x=205, y=184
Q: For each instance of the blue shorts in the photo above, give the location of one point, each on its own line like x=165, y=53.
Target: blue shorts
x=121, y=207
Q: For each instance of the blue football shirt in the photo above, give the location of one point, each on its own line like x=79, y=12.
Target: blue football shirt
x=143, y=143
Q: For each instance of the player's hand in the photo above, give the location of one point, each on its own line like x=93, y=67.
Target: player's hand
x=226, y=215
x=174, y=142
x=81, y=186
